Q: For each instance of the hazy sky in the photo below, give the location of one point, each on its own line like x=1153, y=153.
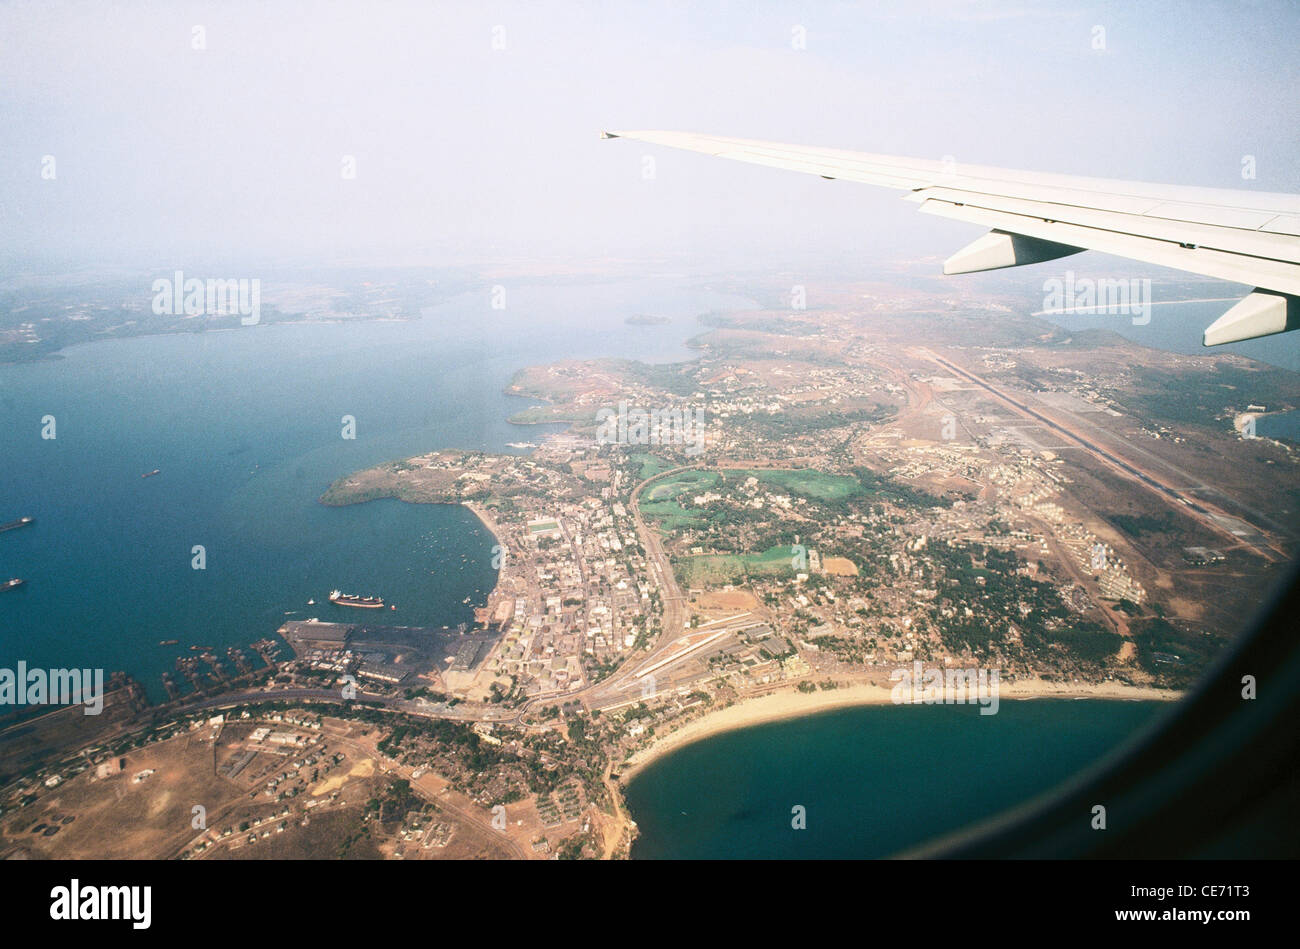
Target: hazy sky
x=166, y=154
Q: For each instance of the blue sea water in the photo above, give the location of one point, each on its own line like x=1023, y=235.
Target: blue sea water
x=246, y=429
x=872, y=780
x=1284, y=425
x=1179, y=328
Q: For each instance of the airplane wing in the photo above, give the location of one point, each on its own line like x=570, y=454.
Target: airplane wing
x=1247, y=237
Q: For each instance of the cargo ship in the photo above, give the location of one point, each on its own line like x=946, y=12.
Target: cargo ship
x=14, y=525
x=11, y=584
x=364, y=602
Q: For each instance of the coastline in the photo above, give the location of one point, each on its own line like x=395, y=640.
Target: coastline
x=481, y=513
x=474, y=507
x=789, y=704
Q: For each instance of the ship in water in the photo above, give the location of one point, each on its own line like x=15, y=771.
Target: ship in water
x=11, y=584
x=364, y=602
x=14, y=525
x=168, y=642
x=150, y=474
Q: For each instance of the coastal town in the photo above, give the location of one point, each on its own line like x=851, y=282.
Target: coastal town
x=774, y=528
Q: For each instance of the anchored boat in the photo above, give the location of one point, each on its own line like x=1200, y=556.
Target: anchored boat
x=362, y=602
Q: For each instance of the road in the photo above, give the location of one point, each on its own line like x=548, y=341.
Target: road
x=671, y=597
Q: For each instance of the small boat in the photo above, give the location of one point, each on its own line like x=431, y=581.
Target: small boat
x=150, y=474
x=311, y=602
x=11, y=584
x=168, y=642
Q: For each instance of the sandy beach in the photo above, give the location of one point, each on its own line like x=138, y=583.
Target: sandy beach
x=793, y=704
x=486, y=520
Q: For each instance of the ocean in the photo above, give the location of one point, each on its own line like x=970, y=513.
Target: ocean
x=245, y=427
x=872, y=780
x=1179, y=328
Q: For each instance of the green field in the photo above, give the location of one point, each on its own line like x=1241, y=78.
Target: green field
x=651, y=465
x=679, y=484
x=805, y=482
x=658, y=501
x=720, y=569
x=670, y=515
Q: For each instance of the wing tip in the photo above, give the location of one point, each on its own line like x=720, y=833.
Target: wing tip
x=608, y=134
